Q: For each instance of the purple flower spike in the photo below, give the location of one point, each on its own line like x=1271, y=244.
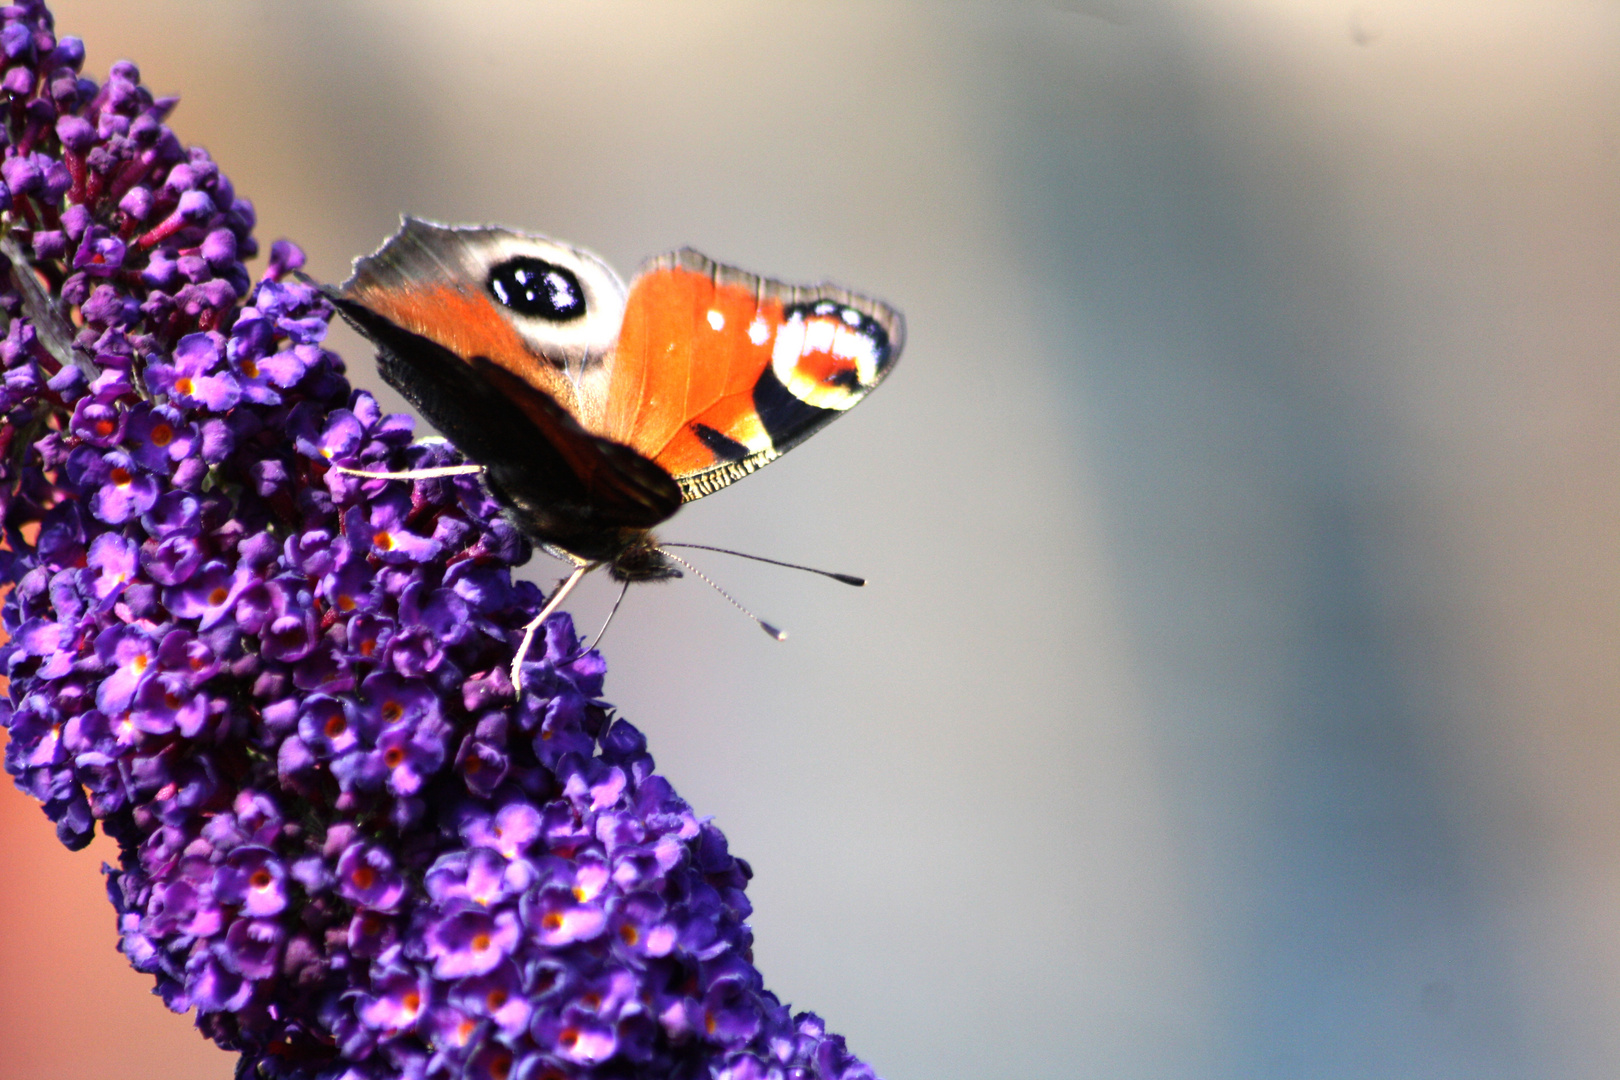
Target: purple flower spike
x=346, y=842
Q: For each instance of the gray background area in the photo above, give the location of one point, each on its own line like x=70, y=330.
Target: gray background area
x=1236, y=693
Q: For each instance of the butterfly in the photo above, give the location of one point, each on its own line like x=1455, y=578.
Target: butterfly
x=595, y=410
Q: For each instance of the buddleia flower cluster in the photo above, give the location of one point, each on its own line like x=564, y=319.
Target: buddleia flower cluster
x=346, y=841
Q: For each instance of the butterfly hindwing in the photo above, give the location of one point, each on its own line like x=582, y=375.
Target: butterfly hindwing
x=717, y=371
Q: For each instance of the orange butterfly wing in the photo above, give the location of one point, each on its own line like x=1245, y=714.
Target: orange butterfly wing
x=516, y=397
x=717, y=372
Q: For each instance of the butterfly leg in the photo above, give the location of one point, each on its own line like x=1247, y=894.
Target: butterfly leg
x=564, y=587
x=412, y=474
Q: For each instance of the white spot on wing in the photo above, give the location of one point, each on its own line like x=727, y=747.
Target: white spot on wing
x=848, y=345
x=818, y=336
x=717, y=321
x=851, y=316
x=758, y=331
x=788, y=348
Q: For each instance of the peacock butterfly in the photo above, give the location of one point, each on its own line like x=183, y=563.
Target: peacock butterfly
x=594, y=410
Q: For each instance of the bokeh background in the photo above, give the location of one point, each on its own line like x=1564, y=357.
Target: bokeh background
x=1237, y=693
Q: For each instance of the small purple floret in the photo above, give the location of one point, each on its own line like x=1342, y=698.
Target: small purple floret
x=367, y=878
x=254, y=880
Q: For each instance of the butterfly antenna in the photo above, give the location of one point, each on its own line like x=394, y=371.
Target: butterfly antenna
x=779, y=635
x=847, y=579
x=609, y=620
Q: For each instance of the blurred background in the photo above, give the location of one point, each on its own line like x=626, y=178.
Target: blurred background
x=1236, y=694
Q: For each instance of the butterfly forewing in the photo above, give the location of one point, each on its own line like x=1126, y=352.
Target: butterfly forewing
x=502, y=341
x=436, y=281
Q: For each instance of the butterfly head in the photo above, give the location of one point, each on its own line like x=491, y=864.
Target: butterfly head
x=642, y=559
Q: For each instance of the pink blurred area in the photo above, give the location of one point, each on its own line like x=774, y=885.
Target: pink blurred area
x=70, y=1006
x=1236, y=692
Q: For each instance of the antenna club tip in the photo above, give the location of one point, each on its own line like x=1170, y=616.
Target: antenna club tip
x=850, y=579
x=775, y=632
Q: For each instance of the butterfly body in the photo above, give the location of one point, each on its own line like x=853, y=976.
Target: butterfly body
x=595, y=409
